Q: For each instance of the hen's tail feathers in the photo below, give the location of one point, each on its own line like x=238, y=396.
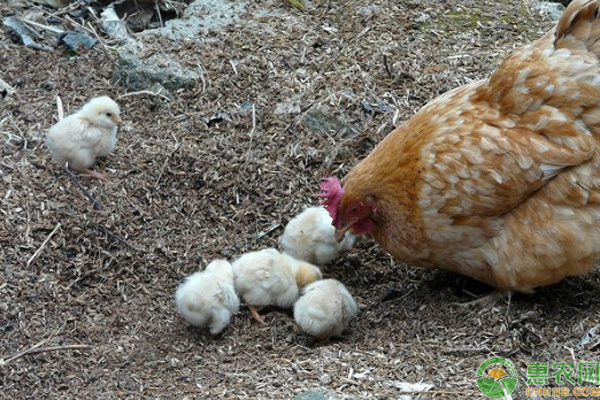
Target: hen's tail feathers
x=580, y=22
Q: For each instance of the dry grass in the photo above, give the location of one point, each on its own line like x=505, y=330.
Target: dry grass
x=93, y=289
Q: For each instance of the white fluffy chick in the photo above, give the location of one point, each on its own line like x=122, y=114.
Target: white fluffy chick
x=325, y=309
x=82, y=137
x=207, y=298
x=310, y=236
x=270, y=278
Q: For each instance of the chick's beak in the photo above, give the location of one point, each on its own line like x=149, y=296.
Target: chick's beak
x=341, y=232
x=117, y=120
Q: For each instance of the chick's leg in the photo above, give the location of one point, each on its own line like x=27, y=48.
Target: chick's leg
x=255, y=314
x=491, y=298
x=96, y=175
x=74, y=178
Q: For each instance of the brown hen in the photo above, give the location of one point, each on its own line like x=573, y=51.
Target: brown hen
x=498, y=180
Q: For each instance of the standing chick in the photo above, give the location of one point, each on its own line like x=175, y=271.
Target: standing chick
x=268, y=277
x=207, y=298
x=324, y=309
x=310, y=236
x=82, y=137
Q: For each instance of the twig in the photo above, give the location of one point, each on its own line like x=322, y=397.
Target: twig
x=233, y=66
x=264, y=233
x=59, y=107
x=32, y=348
x=116, y=237
x=253, y=122
x=95, y=203
x=202, y=77
x=160, y=20
x=42, y=26
x=39, y=250
x=144, y=92
x=162, y=169
x=387, y=66
x=37, y=349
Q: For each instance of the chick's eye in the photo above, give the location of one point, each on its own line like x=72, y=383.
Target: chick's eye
x=109, y=114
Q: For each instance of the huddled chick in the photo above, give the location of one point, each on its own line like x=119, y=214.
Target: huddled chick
x=82, y=137
x=310, y=236
x=270, y=278
x=325, y=309
x=207, y=298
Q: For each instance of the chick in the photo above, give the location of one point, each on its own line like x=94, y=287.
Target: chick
x=207, y=298
x=324, y=309
x=310, y=236
x=270, y=278
x=82, y=137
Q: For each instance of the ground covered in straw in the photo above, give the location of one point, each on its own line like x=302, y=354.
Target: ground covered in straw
x=86, y=295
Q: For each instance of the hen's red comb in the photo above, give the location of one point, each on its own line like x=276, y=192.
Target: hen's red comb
x=331, y=194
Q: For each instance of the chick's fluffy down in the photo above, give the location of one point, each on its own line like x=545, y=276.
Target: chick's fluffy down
x=325, y=309
x=207, y=298
x=89, y=133
x=310, y=236
x=268, y=277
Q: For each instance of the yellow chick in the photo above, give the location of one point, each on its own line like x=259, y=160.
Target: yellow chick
x=270, y=278
x=324, y=309
x=310, y=236
x=82, y=137
x=207, y=298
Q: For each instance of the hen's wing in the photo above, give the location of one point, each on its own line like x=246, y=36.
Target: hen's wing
x=499, y=140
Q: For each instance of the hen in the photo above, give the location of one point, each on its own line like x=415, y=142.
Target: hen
x=82, y=137
x=498, y=180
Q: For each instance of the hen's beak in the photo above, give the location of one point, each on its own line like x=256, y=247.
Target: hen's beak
x=341, y=232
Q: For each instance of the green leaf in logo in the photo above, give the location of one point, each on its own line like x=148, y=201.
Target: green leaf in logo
x=490, y=388
x=509, y=384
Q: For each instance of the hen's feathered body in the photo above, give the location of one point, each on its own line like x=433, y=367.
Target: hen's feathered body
x=499, y=179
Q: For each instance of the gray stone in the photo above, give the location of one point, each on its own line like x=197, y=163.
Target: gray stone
x=158, y=69
x=113, y=26
x=200, y=17
x=24, y=33
x=311, y=395
x=321, y=121
x=552, y=9
x=76, y=40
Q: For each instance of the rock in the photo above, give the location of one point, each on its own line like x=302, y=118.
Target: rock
x=320, y=121
x=75, y=40
x=158, y=69
x=311, y=395
x=5, y=90
x=551, y=9
x=113, y=26
x=200, y=17
x=24, y=33
x=137, y=72
x=55, y=3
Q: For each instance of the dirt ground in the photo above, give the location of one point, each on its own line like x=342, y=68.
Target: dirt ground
x=86, y=295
